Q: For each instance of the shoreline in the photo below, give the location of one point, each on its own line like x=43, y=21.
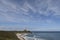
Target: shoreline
x=21, y=36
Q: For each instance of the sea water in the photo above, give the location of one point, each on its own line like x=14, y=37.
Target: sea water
x=37, y=35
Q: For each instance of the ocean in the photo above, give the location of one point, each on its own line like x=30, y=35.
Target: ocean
x=44, y=35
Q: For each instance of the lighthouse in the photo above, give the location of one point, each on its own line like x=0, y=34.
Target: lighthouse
x=25, y=29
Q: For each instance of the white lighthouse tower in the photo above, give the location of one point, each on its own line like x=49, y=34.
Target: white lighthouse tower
x=25, y=29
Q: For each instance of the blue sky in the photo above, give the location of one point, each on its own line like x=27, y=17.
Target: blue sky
x=36, y=15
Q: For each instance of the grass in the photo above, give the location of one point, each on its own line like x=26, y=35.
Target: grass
x=8, y=35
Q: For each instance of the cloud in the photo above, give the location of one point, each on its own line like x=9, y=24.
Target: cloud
x=9, y=11
x=45, y=11
x=9, y=28
x=54, y=6
x=29, y=6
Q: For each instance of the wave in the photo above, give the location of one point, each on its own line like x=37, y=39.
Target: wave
x=33, y=38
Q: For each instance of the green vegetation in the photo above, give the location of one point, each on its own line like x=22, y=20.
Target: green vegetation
x=10, y=35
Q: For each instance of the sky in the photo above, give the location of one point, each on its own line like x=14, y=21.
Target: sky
x=34, y=15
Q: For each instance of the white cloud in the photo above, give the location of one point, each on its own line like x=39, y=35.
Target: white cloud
x=54, y=6
x=31, y=7
x=7, y=6
x=16, y=13
x=8, y=28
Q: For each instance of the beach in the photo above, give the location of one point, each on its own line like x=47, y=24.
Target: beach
x=21, y=36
